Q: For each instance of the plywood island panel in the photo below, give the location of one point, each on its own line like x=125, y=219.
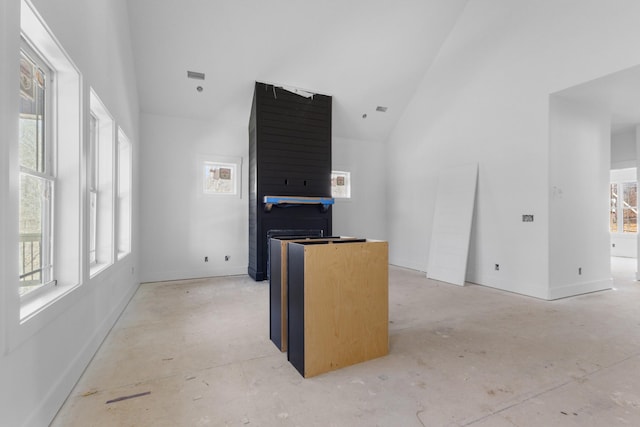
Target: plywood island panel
x=338, y=304
x=278, y=255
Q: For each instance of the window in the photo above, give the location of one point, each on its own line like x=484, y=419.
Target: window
x=100, y=185
x=613, y=208
x=49, y=220
x=629, y=207
x=93, y=187
x=37, y=179
x=220, y=178
x=341, y=184
x=124, y=194
x=623, y=210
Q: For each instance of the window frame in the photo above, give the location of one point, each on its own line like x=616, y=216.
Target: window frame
x=47, y=176
x=628, y=207
x=618, y=206
x=67, y=219
x=335, y=174
x=92, y=185
x=124, y=166
x=100, y=185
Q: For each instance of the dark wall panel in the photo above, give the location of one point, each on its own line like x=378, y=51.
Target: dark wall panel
x=289, y=155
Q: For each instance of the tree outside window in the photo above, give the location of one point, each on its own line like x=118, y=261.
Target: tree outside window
x=623, y=210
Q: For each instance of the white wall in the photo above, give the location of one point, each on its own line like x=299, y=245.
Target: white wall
x=182, y=225
x=364, y=215
x=580, y=153
x=42, y=358
x=486, y=100
x=623, y=149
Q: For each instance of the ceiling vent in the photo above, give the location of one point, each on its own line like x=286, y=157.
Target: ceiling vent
x=381, y=109
x=195, y=75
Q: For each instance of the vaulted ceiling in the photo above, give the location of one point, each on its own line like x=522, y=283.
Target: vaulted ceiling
x=365, y=53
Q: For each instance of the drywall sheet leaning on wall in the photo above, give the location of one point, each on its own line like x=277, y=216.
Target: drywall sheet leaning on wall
x=452, y=219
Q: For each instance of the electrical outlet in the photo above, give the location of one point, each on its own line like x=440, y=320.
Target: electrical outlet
x=497, y=267
x=613, y=245
x=226, y=257
x=527, y=218
x=206, y=259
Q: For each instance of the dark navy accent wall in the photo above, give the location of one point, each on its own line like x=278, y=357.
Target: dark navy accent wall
x=289, y=155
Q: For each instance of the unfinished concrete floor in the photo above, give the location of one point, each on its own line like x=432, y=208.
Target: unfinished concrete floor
x=198, y=353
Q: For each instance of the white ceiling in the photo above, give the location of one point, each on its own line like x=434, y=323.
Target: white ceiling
x=617, y=93
x=365, y=53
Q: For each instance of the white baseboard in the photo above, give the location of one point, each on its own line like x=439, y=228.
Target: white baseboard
x=579, y=289
x=164, y=276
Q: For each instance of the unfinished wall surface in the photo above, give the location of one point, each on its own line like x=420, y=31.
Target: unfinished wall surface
x=486, y=100
x=42, y=357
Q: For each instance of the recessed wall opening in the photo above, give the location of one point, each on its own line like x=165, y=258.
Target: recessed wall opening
x=605, y=109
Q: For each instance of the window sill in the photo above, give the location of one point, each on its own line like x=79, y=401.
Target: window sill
x=98, y=268
x=33, y=306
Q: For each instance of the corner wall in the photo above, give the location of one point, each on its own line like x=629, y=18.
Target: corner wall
x=42, y=358
x=579, y=159
x=486, y=99
x=364, y=214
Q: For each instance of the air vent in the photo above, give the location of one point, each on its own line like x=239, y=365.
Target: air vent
x=195, y=75
x=381, y=109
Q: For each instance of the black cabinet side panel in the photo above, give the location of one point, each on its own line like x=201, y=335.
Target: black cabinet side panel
x=275, y=293
x=295, y=302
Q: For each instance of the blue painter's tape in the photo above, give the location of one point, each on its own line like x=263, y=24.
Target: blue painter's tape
x=278, y=200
